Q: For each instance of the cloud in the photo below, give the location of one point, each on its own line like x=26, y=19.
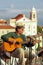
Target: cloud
x=10, y=12
x=39, y=10
x=12, y=6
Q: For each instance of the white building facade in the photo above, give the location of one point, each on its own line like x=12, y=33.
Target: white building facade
x=30, y=24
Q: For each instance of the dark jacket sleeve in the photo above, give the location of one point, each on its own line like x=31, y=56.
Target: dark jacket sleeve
x=6, y=36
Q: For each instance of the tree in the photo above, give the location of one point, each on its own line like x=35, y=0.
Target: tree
x=39, y=29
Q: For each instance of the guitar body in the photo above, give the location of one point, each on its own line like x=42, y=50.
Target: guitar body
x=10, y=47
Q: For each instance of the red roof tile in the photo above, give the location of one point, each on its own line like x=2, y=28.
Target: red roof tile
x=18, y=17
x=2, y=22
x=6, y=27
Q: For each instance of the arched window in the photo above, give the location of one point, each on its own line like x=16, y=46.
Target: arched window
x=33, y=15
x=2, y=32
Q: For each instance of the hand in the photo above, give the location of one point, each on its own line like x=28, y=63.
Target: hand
x=14, y=41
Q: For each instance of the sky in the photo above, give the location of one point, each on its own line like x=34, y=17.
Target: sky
x=11, y=8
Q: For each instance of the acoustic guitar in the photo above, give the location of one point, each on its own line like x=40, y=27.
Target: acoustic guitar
x=19, y=42
x=12, y=46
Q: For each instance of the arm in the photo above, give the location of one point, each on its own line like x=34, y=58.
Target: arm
x=6, y=37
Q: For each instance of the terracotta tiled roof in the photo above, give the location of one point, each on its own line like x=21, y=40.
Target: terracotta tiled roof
x=18, y=17
x=2, y=22
x=6, y=27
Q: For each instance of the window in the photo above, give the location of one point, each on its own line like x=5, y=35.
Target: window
x=33, y=15
x=34, y=27
x=29, y=26
x=7, y=31
x=33, y=31
x=23, y=19
x=2, y=32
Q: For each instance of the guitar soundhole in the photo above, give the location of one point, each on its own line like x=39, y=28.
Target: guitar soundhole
x=10, y=44
x=17, y=42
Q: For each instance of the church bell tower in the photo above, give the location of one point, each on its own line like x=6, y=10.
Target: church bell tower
x=33, y=15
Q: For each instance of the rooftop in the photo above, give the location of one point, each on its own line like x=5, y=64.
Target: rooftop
x=19, y=16
x=6, y=27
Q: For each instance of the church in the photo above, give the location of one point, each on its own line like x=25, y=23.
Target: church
x=30, y=24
